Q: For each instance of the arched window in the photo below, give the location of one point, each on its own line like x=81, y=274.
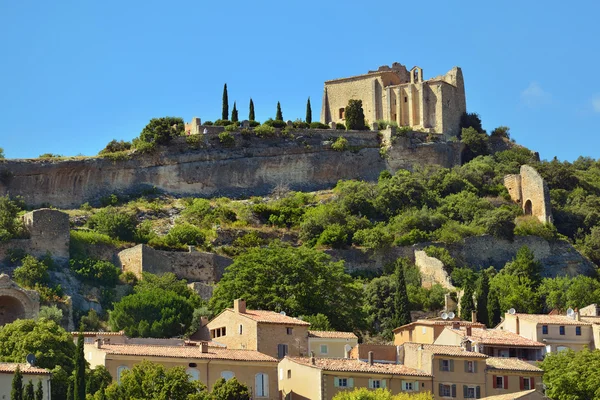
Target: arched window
x=227, y=375
x=261, y=383
x=528, y=208
x=120, y=371
x=194, y=374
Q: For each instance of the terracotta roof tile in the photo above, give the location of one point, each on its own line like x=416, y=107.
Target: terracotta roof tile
x=512, y=396
x=438, y=322
x=443, y=350
x=332, y=335
x=511, y=364
x=92, y=334
x=497, y=337
x=185, y=352
x=271, y=317
x=10, y=368
x=593, y=320
x=551, y=319
x=352, y=365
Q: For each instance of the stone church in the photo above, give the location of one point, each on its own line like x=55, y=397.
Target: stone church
x=397, y=94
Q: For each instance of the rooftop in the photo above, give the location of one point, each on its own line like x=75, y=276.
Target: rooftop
x=352, y=365
x=593, y=320
x=191, y=352
x=332, y=335
x=511, y=364
x=92, y=334
x=497, y=337
x=439, y=322
x=26, y=369
x=271, y=317
x=551, y=319
x=512, y=396
x=443, y=350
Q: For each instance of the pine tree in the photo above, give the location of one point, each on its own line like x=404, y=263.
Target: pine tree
x=79, y=373
x=234, y=113
x=308, y=112
x=251, y=116
x=466, y=302
x=279, y=115
x=17, y=385
x=225, y=114
x=39, y=391
x=401, y=306
x=28, y=393
x=482, y=298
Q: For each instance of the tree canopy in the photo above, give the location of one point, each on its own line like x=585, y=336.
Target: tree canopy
x=380, y=394
x=162, y=130
x=355, y=116
x=570, y=375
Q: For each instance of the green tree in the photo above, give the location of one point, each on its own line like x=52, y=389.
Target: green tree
x=162, y=130
x=355, y=116
x=308, y=119
x=115, y=223
x=28, y=391
x=278, y=115
x=52, y=313
x=10, y=225
x=493, y=309
x=97, y=379
x=570, y=375
x=229, y=390
x=524, y=265
x=318, y=322
x=50, y=343
x=39, y=391
x=483, y=289
x=234, y=113
x=251, y=115
x=17, y=385
x=59, y=383
x=379, y=305
x=298, y=280
x=80, y=364
x=471, y=120
x=466, y=302
x=225, y=112
x=70, y=391
x=31, y=272
x=401, y=305
x=477, y=144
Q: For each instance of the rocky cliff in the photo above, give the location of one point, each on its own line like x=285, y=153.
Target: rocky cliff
x=303, y=160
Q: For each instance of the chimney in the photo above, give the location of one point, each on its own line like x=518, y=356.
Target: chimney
x=577, y=315
x=98, y=343
x=468, y=346
x=312, y=358
x=469, y=330
x=370, y=358
x=517, y=329
x=204, y=347
x=203, y=321
x=239, y=306
x=474, y=316
x=456, y=325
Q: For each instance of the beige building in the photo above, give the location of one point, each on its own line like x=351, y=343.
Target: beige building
x=556, y=332
x=523, y=395
x=380, y=353
x=34, y=374
x=493, y=342
x=208, y=364
x=397, y=94
x=275, y=334
x=322, y=378
x=426, y=331
x=331, y=344
x=511, y=375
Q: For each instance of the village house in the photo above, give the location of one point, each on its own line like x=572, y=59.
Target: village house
x=426, y=331
x=591, y=314
x=208, y=364
x=511, y=375
x=381, y=353
x=322, y=378
x=271, y=333
x=523, y=395
x=331, y=344
x=30, y=373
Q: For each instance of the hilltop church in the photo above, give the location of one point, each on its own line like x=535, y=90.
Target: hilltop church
x=397, y=94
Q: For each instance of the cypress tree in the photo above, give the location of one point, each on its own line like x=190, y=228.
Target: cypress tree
x=234, y=113
x=482, y=298
x=466, y=302
x=308, y=112
x=70, y=390
x=355, y=115
x=225, y=114
x=17, y=385
x=279, y=115
x=28, y=393
x=251, y=116
x=401, y=306
x=79, y=373
x=493, y=307
x=39, y=391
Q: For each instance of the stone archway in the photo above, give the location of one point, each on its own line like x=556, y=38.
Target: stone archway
x=11, y=309
x=16, y=302
x=528, y=208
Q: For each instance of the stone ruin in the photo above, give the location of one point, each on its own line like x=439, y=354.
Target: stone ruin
x=16, y=302
x=530, y=191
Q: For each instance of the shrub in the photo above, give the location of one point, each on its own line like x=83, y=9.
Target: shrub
x=334, y=235
x=226, y=139
x=340, y=144
x=374, y=238
x=162, y=130
x=180, y=236
x=339, y=126
x=253, y=124
x=51, y=313
x=300, y=124
x=246, y=133
x=413, y=237
x=443, y=255
x=194, y=141
x=115, y=146
x=142, y=146
x=96, y=271
x=264, y=131
x=31, y=272
x=501, y=131
x=222, y=122
x=114, y=223
x=531, y=226
x=318, y=125
x=208, y=123
x=50, y=155
x=10, y=225
x=355, y=116
x=231, y=128
x=275, y=123
x=383, y=124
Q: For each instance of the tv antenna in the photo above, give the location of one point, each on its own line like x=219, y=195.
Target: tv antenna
x=451, y=315
x=30, y=359
x=512, y=311
x=570, y=312
x=444, y=315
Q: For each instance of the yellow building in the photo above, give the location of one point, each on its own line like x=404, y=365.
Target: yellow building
x=426, y=331
x=397, y=94
x=331, y=344
x=271, y=333
x=34, y=374
x=381, y=353
x=208, y=364
x=511, y=375
x=322, y=378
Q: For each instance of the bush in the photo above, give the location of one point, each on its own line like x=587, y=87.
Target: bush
x=253, y=124
x=231, y=128
x=531, y=226
x=340, y=126
x=264, y=131
x=501, y=131
x=208, y=123
x=194, y=141
x=318, y=125
x=340, y=144
x=222, y=122
x=51, y=313
x=300, y=124
x=162, y=130
x=275, y=123
x=383, y=124
x=355, y=116
x=50, y=155
x=334, y=235
x=10, y=225
x=142, y=146
x=374, y=238
x=114, y=223
x=443, y=255
x=96, y=272
x=226, y=139
x=32, y=272
x=179, y=237
x=246, y=133
x=115, y=146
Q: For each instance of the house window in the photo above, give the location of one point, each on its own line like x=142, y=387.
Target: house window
x=503, y=353
x=261, y=385
x=405, y=99
x=342, y=113
x=120, y=371
x=544, y=329
x=227, y=375
x=409, y=386
x=289, y=331
x=324, y=349
x=343, y=382
x=527, y=384
x=423, y=330
x=578, y=330
x=218, y=332
x=470, y=366
x=500, y=382
x=193, y=374
x=444, y=365
x=241, y=329
x=282, y=350
x=289, y=374
x=445, y=390
x=562, y=330
x=470, y=392
x=375, y=384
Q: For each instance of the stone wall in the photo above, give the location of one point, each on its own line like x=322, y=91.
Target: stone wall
x=432, y=271
x=253, y=166
x=530, y=191
x=194, y=266
x=16, y=302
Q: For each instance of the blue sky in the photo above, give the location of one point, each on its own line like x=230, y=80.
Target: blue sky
x=75, y=74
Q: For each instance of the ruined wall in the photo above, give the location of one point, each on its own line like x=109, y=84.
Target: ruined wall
x=432, y=271
x=16, y=302
x=194, y=266
x=252, y=166
x=530, y=191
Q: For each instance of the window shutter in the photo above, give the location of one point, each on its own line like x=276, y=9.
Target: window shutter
x=475, y=366
x=494, y=381
x=336, y=382
x=521, y=383
x=477, y=392
x=531, y=383
x=416, y=387
x=441, y=365
x=466, y=366
x=451, y=365
x=370, y=383
x=441, y=390
x=403, y=385
x=505, y=382
x=453, y=390
x=350, y=382
x=465, y=394
x=383, y=383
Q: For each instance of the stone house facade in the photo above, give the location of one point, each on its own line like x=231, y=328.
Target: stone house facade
x=331, y=344
x=397, y=94
x=426, y=331
x=530, y=191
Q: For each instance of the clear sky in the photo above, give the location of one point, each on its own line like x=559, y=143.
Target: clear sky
x=75, y=74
